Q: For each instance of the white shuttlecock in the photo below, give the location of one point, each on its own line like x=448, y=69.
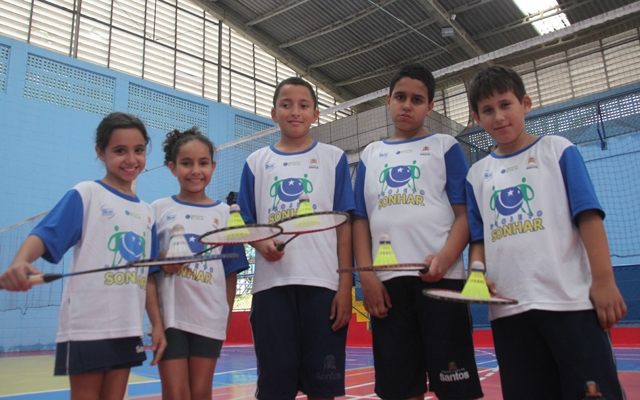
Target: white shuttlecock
x=178, y=246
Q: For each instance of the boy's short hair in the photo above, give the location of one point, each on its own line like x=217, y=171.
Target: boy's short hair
x=495, y=79
x=417, y=72
x=294, y=80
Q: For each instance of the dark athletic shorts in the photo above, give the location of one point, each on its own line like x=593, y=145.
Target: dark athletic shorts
x=79, y=357
x=181, y=344
x=295, y=346
x=423, y=336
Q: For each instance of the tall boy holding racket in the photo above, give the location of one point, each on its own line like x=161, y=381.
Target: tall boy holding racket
x=412, y=188
x=535, y=219
x=301, y=306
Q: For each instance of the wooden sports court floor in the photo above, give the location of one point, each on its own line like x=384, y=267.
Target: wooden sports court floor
x=29, y=376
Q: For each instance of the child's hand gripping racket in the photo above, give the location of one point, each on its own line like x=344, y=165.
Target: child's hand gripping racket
x=474, y=291
x=178, y=254
x=386, y=261
x=308, y=221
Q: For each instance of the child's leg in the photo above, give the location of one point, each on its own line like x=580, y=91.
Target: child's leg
x=448, y=341
x=110, y=385
x=527, y=367
x=583, y=352
x=174, y=376
x=201, y=377
x=398, y=353
x=276, y=339
x=322, y=369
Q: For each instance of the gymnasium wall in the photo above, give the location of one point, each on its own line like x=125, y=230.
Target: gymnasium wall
x=50, y=106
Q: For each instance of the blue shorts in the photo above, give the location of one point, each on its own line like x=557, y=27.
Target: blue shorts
x=181, y=344
x=295, y=346
x=555, y=355
x=80, y=357
x=423, y=336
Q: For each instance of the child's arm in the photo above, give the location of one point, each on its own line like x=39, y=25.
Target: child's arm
x=458, y=239
x=341, y=305
x=158, y=340
x=231, y=282
x=15, y=277
x=376, y=298
x=604, y=293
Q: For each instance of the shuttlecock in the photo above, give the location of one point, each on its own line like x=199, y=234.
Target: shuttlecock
x=178, y=246
x=385, y=255
x=476, y=286
x=235, y=220
x=304, y=209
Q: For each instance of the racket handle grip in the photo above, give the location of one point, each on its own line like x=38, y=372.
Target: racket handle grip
x=36, y=279
x=280, y=247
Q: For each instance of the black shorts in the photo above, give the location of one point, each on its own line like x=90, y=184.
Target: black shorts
x=181, y=344
x=79, y=357
x=421, y=336
x=295, y=345
x=555, y=355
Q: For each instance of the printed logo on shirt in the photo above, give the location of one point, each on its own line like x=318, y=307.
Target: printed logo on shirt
x=126, y=247
x=532, y=163
x=510, y=169
x=398, y=186
x=291, y=164
x=133, y=214
x=313, y=163
x=383, y=155
x=454, y=374
x=425, y=151
x=268, y=166
x=513, y=214
x=107, y=212
x=216, y=222
x=171, y=217
x=407, y=151
x=194, y=217
x=285, y=194
x=196, y=271
x=488, y=175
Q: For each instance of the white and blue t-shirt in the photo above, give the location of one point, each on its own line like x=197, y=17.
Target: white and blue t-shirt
x=524, y=206
x=195, y=299
x=405, y=189
x=106, y=228
x=270, y=186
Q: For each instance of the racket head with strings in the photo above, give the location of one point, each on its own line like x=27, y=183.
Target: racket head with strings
x=420, y=267
x=456, y=296
x=249, y=233
x=147, y=262
x=310, y=223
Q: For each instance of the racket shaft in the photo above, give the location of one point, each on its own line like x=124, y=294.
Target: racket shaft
x=281, y=246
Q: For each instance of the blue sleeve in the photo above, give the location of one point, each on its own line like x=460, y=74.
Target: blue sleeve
x=154, y=248
x=457, y=168
x=473, y=213
x=343, y=193
x=61, y=229
x=247, y=196
x=232, y=265
x=580, y=190
x=361, y=205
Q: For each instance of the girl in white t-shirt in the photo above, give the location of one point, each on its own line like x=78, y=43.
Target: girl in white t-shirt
x=99, y=335
x=195, y=302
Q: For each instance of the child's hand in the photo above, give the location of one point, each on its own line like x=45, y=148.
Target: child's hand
x=438, y=267
x=608, y=302
x=340, y=309
x=158, y=343
x=491, y=285
x=268, y=249
x=170, y=269
x=15, y=278
x=376, y=298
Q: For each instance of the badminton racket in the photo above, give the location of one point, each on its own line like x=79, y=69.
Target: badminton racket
x=240, y=234
x=148, y=262
x=310, y=223
x=424, y=268
x=456, y=296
